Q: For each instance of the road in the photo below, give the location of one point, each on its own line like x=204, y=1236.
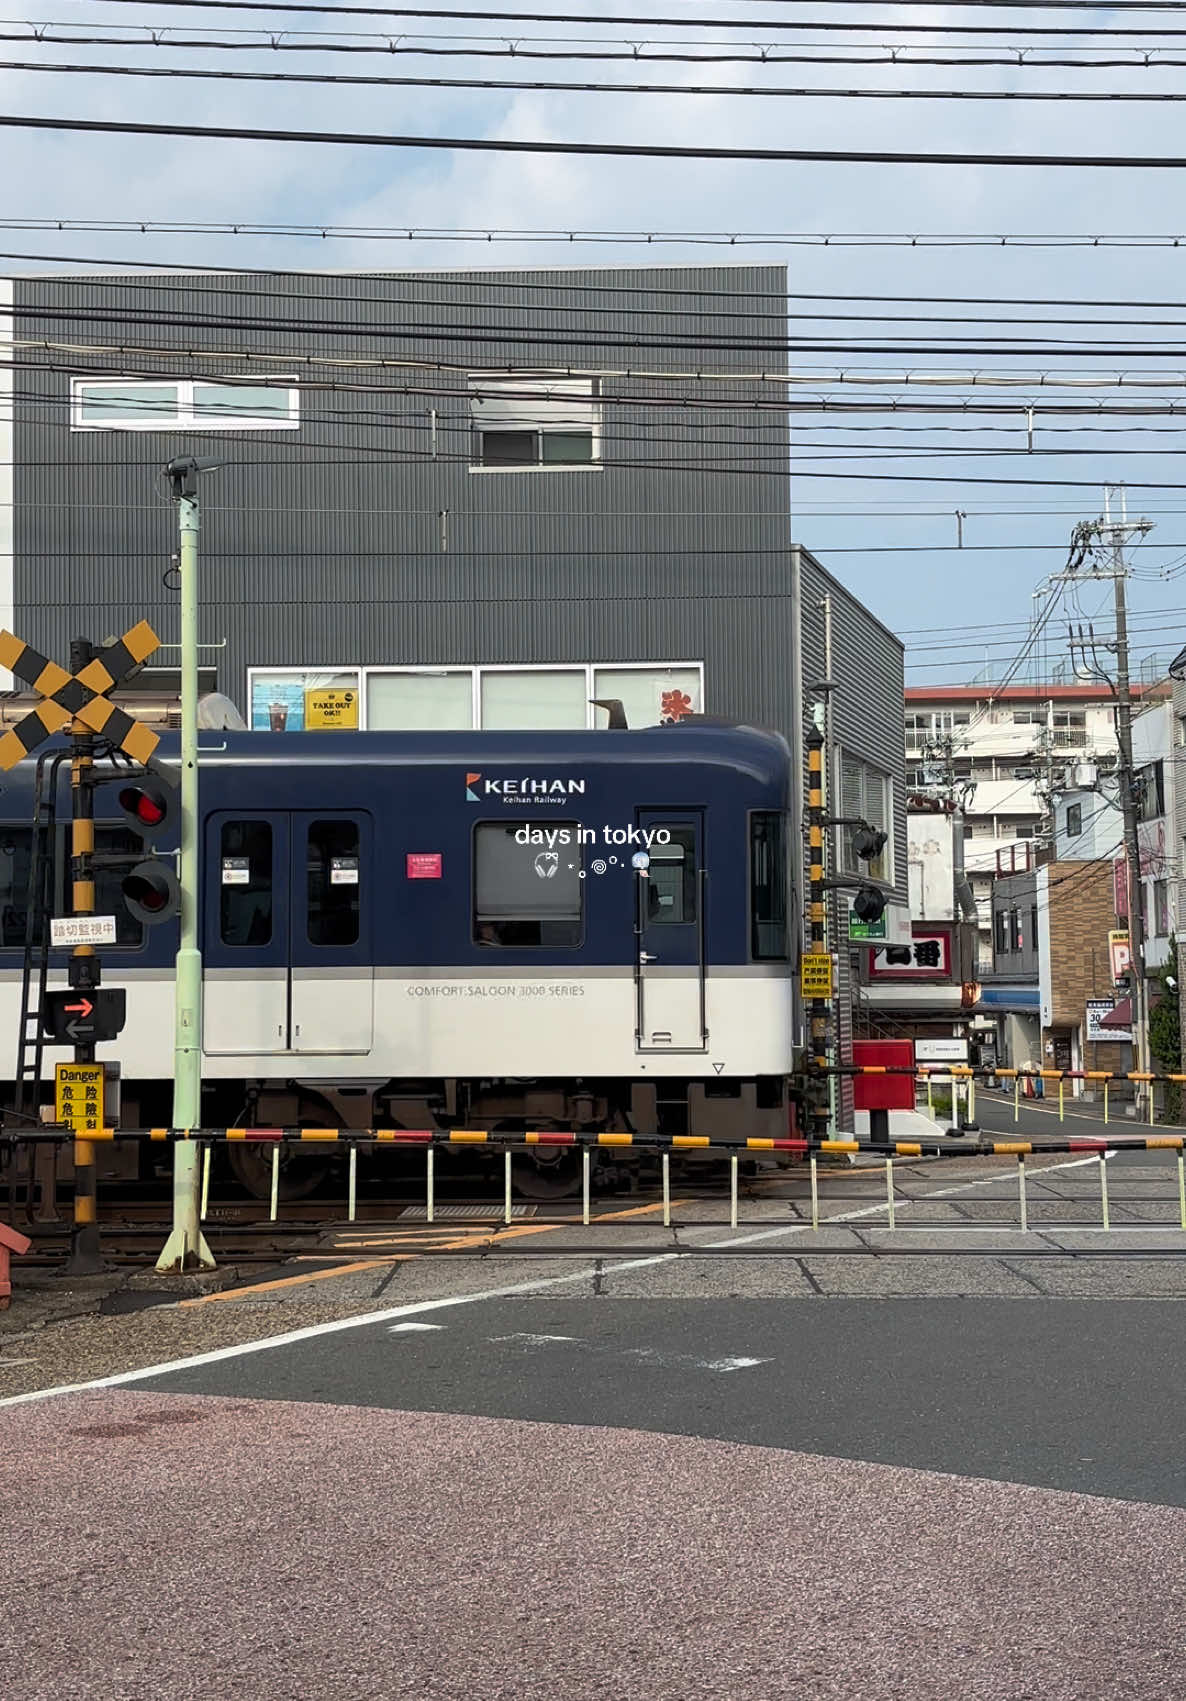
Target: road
x=747, y=1462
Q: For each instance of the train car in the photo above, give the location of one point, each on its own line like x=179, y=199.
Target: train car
x=509, y=931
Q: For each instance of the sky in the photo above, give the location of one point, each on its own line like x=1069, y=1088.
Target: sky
x=891, y=540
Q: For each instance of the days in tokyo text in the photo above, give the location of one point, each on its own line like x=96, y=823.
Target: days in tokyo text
x=641, y=838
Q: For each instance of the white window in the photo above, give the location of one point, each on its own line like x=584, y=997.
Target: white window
x=153, y=404
x=303, y=699
x=651, y=696
x=534, y=422
x=864, y=794
x=513, y=699
x=420, y=700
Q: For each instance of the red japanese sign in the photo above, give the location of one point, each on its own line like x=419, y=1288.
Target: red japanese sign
x=424, y=865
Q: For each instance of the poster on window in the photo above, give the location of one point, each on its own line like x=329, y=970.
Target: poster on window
x=299, y=702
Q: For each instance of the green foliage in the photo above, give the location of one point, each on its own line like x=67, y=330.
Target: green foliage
x=1165, y=1030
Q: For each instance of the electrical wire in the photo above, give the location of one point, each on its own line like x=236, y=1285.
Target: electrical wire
x=541, y=86
x=608, y=150
x=877, y=26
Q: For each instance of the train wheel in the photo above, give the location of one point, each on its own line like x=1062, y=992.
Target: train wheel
x=542, y=1175
x=251, y=1166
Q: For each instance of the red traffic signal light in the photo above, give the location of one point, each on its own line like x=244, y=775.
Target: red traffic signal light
x=149, y=807
x=151, y=892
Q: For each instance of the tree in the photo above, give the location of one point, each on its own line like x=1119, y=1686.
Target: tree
x=1165, y=1029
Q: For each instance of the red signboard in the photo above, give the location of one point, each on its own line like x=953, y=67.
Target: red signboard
x=883, y=1092
x=424, y=865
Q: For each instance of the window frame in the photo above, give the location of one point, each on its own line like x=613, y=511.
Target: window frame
x=1074, y=821
x=846, y=862
x=477, y=382
x=184, y=419
x=524, y=821
x=362, y=675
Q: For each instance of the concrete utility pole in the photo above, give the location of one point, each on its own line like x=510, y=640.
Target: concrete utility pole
x=187, y=1243
x=1116, y=534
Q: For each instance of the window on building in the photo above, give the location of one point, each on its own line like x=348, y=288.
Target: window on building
x=1161, y=908
x=1074, y=820
x=303, y=699
x=532, y=699
x=1001, y=940
x=535, y=421
x=865, y=795
x=1024, y=830
x=650, y=696
x=142, y=404
x=768, y=886
x=526, y=896
x=1151, y=791
x=420, y=700
x=1033, y=927
x=1029, y=717
x=1070, y=719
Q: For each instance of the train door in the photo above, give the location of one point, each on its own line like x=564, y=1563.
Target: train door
x=287, y=955
x=670, y=970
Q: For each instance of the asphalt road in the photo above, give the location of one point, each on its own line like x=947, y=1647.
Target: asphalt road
x=1068, y=1394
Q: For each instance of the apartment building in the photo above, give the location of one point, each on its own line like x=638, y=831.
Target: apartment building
x=1001, y=753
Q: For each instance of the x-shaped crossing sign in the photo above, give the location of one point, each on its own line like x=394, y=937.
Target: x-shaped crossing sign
x=78, y=696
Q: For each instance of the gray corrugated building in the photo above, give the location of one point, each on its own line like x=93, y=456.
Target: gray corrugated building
x=452, y=499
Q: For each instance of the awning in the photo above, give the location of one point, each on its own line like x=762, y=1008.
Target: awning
x=1120, y=1017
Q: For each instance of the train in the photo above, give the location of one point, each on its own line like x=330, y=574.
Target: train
x=510, y=931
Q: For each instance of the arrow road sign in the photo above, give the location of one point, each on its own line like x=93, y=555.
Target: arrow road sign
x=78, y=696
x=84, y=1018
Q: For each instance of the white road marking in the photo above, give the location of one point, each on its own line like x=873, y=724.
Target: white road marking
x=407, y=1328
x=533, y=1340
x=313, y=1331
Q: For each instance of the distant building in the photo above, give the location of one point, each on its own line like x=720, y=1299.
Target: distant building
x=1002, y=753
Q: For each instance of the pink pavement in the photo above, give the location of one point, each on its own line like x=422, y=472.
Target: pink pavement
x=199, y=1549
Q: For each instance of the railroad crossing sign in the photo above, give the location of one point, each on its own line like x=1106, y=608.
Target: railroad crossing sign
x=78, y=696
x=75, y=1017
x=78, y=1096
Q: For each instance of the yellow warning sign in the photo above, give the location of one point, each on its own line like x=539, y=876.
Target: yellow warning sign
x=78, y=1096
x=815, y=975
x=331, y=709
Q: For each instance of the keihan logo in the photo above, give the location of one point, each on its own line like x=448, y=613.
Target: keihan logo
x=528, y=789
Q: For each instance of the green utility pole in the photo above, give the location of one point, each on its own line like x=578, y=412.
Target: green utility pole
x=187, y=1243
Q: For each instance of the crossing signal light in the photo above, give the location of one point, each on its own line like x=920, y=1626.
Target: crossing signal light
x=151, y=892
x=869, y=904
x=149, y=807
x=868, y=843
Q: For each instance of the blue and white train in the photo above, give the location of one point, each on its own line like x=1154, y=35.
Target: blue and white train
x=519, y=931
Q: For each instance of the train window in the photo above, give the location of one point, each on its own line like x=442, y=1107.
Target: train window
x=332, y=883
x=245, y=888
x=767, y=887
x=109, y=898
x=16, y=849
x=527, y=896
x=671, y=879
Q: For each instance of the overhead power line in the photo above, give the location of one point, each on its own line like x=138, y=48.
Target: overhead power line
x=538, y=85
x=866, y=27
x=605, y=49
x=612, y=150
x=298, y=231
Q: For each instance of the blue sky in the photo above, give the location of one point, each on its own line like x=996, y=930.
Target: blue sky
x=924, y=595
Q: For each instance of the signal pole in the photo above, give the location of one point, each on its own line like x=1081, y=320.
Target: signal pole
x=186, y=1240
x=85, y=1258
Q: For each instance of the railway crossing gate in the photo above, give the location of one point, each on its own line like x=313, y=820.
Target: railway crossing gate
x=84, y=1015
